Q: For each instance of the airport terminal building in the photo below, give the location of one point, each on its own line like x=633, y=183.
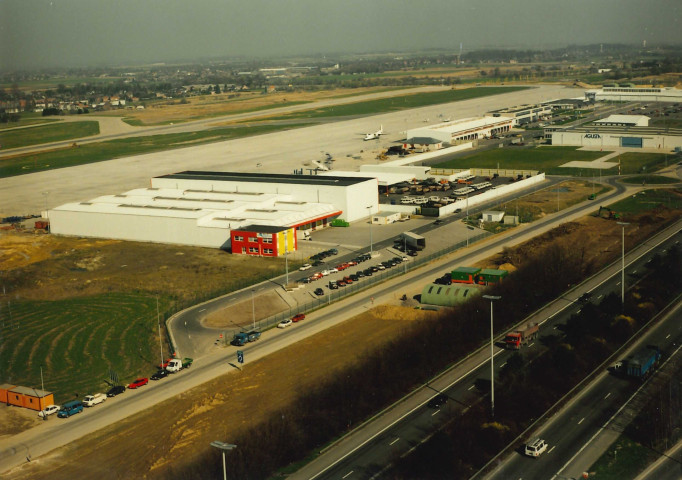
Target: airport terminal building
x=208, y=209
x=460, y=131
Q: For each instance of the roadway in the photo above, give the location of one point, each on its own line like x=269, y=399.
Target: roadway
x=47, y=436
x=394, y=432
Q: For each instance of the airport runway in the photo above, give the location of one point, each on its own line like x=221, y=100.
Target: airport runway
x=279, y=152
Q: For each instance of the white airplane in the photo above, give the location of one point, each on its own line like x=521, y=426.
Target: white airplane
x=375, y=135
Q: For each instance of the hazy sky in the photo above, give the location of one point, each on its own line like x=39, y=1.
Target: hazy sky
x=36, y=33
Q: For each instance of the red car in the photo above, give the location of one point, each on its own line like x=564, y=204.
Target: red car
x=139, y=382
x=297, y=318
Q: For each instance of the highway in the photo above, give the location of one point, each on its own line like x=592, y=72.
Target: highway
x=54, y=433
x=395, y=431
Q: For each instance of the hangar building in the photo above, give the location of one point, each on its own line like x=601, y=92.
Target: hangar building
x=524, y=113
x=616, y=136
x=634, y=94
x=460, y=130
x=204, y=208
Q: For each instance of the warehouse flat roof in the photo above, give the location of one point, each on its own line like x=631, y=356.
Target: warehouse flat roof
x=465, y=124
x=327, y=180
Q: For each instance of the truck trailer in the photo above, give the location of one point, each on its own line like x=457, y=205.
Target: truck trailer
x=641, y=363
x=514, y=340
x=245, y=337
x=414, y=241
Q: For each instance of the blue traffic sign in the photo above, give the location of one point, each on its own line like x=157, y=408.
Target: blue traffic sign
x=240, y=356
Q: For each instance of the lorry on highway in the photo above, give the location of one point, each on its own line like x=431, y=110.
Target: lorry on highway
x=639, y=364
x=243, y=338
x=514, y=340
x=175, y=365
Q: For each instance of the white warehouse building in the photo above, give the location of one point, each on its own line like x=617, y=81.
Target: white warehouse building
x=460, y=130
x=634, y=94
x=202, y=208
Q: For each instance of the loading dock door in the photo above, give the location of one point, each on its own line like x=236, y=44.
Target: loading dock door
x=632, y=142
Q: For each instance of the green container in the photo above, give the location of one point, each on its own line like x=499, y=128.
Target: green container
x=464, y=274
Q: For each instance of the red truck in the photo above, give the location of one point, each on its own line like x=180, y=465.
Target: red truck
x=514, y=340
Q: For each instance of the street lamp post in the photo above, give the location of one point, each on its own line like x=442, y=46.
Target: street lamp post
x=286, y=262
x=371, y=250
x=253, y=309
x=492, y=298
x=622, y=265
x=224, y=447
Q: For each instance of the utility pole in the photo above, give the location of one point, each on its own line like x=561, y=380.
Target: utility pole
x=492, y=298
x=158, y=322
x=622, y=265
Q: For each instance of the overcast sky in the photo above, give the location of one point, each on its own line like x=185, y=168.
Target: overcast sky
x=35, y=33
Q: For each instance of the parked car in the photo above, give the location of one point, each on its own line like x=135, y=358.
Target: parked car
x=305, y=266
x=285, y=323
x=367, y=272
x=360, y=274
x=536, y=447
x=116, y=390
x=319, y=292
x=333, y=270
x=70, y=408
x=298, y=317
x=92, y=400
x=325, y=272
x=47, y=411
x=354, y=276
x=438, y=401
x=380, y=267
x=160, y=374
x=333, y=286
x=139, y=382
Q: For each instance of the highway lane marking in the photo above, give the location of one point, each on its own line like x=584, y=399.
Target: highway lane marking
x=434, y=413
x=348, y=474
x=581, y=420
x=667, y=336
x=618, y=283
x=394, y=441
x=633, y=272
x=599, y=297
x=471, y=387
x=202, y=310
x=554, y=327
x=607, y=395
x=531, y=344
x=503, y=364
x=550, y=450
x=608, y=422
x=579, y=310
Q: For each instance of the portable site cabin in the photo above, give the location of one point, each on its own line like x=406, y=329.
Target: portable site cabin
x=490, y=275
x=27, y=397
x=4, y=389
x=464, y=274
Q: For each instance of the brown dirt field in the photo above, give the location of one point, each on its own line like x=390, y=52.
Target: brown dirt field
x=43, y=267
x=214, y=105
x=544, y=202
x=14, y=420
x=183, y=427
x=266, y=304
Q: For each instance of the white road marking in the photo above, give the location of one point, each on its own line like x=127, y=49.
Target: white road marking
x=633, y=272
x=579, y=311
x=581, y=420
x=503, y=364
x=618, y=283
x=394, y=441
x=471, y=387
x=531, y=344
x=437, y=411
x=550, y=450
x=554, y=328
x=667, y=336
x=607, y=395
x=599, y=297
x=202, y=310
x=348, y=474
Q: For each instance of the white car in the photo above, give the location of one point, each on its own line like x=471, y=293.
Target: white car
x=333, y=270
x=284, y=323
x=49, y=410
x=536, y=447
x=92, y=400
x=325, y=272
x=305, y=266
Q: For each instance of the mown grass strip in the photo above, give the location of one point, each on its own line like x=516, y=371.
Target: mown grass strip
x=100, y=151
x=24, y=137
x=398, y=103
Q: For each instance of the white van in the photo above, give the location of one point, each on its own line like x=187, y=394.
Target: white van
x=407, y=200
x=92, y=400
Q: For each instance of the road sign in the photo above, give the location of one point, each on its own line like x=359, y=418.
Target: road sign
x=240, y=356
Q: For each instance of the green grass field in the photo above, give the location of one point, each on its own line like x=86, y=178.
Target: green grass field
x=28, y=118
x=100, y=151
x=92, y=336
x=547, y=159
x=48, y=133
x=648, y=200
x=538, y=158
x=624, y=459
x=401, y=102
